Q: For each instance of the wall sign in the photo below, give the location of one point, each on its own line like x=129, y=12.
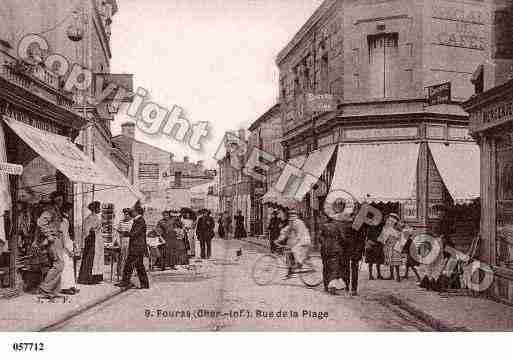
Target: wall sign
x=387, y=132
x=11, y=168
x=439, y=94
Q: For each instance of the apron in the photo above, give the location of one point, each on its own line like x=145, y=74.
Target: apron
x=93, y=222
x=68, y=274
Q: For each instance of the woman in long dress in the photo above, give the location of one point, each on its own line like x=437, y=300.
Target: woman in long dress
x=188, y=222
x=91, y=269
x=68, y=283
x=175, y=253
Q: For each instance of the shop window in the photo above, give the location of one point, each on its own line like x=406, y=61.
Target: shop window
x=383, y=64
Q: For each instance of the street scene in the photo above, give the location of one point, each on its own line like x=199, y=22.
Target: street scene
x=273, y=166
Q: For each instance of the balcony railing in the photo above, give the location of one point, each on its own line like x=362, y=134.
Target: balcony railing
x=35, y=79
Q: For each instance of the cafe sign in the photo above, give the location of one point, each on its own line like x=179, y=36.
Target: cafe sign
x=491, y=116
x=11, y=168
x=439, y=94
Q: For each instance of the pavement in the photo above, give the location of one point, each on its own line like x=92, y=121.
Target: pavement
x=188, y=300
x=459, y=311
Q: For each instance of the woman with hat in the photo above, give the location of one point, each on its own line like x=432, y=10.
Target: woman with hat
x=389, y=236
x=91, y=268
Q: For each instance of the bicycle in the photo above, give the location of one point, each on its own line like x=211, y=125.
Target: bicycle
x=266, y=268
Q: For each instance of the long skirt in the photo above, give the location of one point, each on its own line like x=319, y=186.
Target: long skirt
x=220, y=231
x=374, y=253
x=68, y=274
x=240, y=232
x=176, y=253
x=86, y=267
x=191, y=237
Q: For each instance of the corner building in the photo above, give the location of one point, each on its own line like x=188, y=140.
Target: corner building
x=384, y=143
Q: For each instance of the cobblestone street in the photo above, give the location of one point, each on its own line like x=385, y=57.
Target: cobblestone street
x=224, y=285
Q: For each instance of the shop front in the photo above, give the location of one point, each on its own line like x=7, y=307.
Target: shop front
x=51, y=162
x=491, y=116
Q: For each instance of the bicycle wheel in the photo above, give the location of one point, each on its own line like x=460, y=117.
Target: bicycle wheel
x=265, y=269
x=313, y=277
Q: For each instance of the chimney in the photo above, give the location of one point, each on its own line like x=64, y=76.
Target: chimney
x=128, y=129
x=242, y=134
x=186, y=159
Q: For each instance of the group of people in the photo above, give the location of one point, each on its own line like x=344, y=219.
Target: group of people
x=343, y=247
x=225, y=226
x=179, y=231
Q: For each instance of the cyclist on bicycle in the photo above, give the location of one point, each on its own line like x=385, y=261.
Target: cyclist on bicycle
x=296, y=236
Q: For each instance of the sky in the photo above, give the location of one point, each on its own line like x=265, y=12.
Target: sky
x=213, y=58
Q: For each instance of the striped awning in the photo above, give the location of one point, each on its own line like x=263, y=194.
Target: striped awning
x=383, y=172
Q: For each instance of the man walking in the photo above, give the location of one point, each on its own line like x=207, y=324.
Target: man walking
x=205, y=233
x=353, y=245
x=137, y=249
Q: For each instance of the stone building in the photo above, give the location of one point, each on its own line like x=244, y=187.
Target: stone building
x=163, y=180
x=234, y=185
x=265, y=135
x=383, y=139
x=491, y=124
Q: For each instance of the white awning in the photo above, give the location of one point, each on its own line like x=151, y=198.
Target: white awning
x=318, y=160
x=121, y=197
x=459, y=167
x=273, y=196
x=377, y=172
x=61, y=153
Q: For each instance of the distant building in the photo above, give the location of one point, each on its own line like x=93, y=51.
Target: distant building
x=266, y=135
x=234, y=185
x=164, y=181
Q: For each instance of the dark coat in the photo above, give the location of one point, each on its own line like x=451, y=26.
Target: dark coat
x=331, y=239
x=205, y=228
x=274, y=227
x=137, y=245
x=353, y=242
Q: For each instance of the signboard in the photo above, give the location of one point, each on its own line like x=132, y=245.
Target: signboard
x=439, y=94
x=11, y=168
x=491, y=116
x=320, y=102
x=387, y=132
x=125, y=81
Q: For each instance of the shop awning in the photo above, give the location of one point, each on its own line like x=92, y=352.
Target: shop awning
x=318, y=160
x=275, y=197
x=121, y=197
x=459, y=167
x=377, y=172
x=61, y=153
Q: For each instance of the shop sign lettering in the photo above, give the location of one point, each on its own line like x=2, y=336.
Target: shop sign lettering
x=11, y=168
x=461, y=14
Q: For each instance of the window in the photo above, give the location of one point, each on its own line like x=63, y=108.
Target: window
x=149, y=171
x=324, y=74
x=178, y=179
x=383, y=63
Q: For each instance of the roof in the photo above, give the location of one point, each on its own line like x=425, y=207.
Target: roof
x=298, y=37
x=268, y=114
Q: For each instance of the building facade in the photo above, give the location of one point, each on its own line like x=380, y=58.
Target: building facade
x=377, y=59
x=164, y=181
x=234, y=185
x=265, y=134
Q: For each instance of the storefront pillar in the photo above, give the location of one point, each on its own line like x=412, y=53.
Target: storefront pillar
x=488, y=200
x=423, y=187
